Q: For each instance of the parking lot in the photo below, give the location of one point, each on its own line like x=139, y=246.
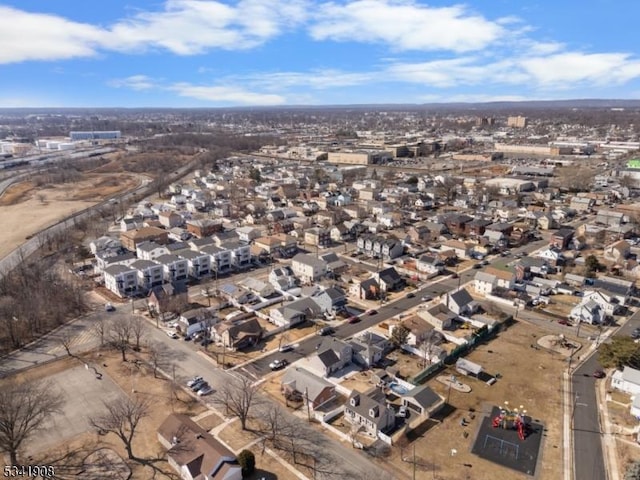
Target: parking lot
x=83, y=395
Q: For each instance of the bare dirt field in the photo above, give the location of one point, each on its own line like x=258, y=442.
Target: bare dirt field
x=529, y=377
x=27, y=209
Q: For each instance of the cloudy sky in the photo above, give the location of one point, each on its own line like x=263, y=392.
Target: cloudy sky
x=201, y=53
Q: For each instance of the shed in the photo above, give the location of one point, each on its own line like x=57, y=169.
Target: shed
x=467, y=367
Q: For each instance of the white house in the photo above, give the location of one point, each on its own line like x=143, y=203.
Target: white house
x=150, y=250
x=248, y=234
x=484, y=283
x=429, y=265
x=308, y=268
x=589, y=312
x=121, y=280
x=150, y=274
x=175, y=268
x=282, y=278
x=460, y=302
x=627, y=380
x=609, y=304
x=504, y=278
x=369, y=411
x=199, y=263
x=258, y=287
x=240, y=254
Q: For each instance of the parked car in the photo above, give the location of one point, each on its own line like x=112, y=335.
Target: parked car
x=198, y=385
x=426, y=298
x=561, y=322
x=372, y=312
x=194, y=380
x=285, y=348
x=411, y=295
x=477, y=265
x=109, y=308
x=402, y=411
x=187, y=338
x=353, y=319
x=636, y=333
x=599, y=374
x=205, y=390
x=325, y=331
x=172, y=334
x=278, y=364
x=206, y=341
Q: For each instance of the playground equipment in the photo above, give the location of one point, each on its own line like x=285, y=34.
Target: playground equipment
x=512, y=419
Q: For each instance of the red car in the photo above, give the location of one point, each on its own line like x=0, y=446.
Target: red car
x=599, y=374
x=563, y=322
x=353, y=319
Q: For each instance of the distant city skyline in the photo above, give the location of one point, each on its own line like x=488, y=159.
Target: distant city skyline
x=199, y=53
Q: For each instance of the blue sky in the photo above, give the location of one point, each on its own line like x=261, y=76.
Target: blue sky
x=200, y=53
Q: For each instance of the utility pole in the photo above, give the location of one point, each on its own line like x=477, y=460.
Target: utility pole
x=414, y=461
x=306, y=396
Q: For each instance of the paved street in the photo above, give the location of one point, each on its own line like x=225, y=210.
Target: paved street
x=188, y=362
x=588, y=454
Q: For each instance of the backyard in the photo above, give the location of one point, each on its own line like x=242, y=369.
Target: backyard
x=529, y=380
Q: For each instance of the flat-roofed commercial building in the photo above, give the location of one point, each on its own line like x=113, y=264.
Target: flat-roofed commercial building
x=359, y=157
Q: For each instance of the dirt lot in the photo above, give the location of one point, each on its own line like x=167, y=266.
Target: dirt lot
x=529, y=377
x=26, y=209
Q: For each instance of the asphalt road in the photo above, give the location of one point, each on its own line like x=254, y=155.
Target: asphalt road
x=187, y=362
x=587, y=441
x=436, y=287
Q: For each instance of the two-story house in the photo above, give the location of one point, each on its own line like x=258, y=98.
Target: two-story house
x=318, y=237
x=430, y=265
x=175, y=268
x=282, y=278
x=240, y=254
x=199, y=263
x=150, y=274
x=150, y=250
x=308, y=268
x=331, y=355
x=369, y=412
x=121, y=280
x=220, y=258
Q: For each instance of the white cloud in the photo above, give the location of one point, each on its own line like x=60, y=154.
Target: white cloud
x=183, y=27
x=189, y=27
x=134, y=82
x=456, y=71
x=317, y=79
x=472, y=98
x=565, y=70
x=37, y=36
x=405, y=25
x=226, y=95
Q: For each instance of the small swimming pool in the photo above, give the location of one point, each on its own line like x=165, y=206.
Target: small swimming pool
x=397, y=388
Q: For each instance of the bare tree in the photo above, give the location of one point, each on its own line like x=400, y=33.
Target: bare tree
x=24, y=409
x=427, y=345
x=447, y=188
x=137, y=330
x=238, y=396
x=122, y=418
x=66, y=340
x=100, y=329
x=120, y=335
x=160, y=357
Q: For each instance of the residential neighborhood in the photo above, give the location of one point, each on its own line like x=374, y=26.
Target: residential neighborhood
x=399, y=299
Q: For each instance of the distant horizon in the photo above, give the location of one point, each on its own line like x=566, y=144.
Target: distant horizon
x=565, y=103
x=267, y=53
